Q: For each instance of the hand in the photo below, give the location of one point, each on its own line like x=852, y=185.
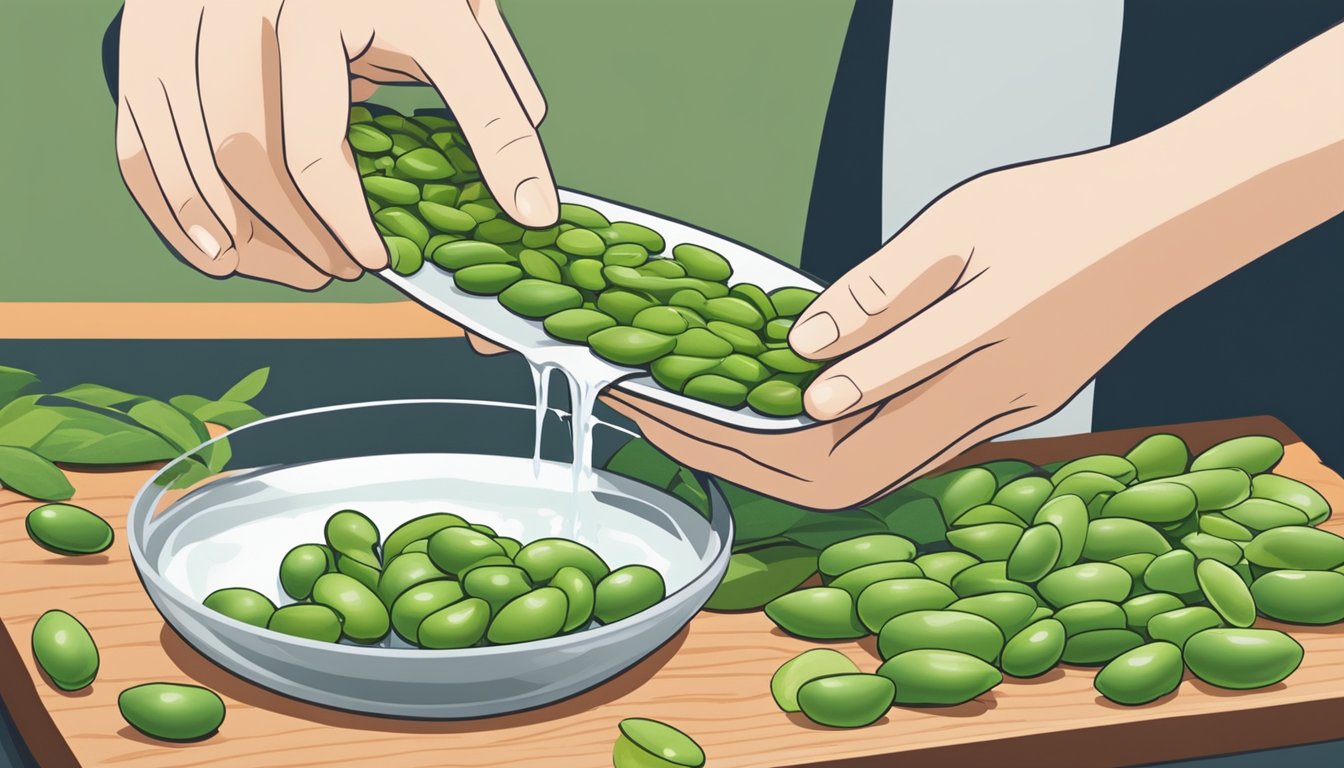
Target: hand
x=986, y=314
x=232, y=117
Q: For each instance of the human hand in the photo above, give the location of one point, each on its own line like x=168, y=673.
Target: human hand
x=984, y=315
x=232, y=117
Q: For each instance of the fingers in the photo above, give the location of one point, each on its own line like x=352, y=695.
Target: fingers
x=515, y=66
x=239, y=82
x=948, y=333
x=144, y=186
x=473, y=83
x=899, y=281
x=265, y=256
x=315, y=100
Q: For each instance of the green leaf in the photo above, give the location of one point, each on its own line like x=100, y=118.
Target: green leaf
x=24, y=471
x=180, y=429
x=756, y=516
x=248, y=387
x=755, y=578
x=97, y=437
x=229, y=415
x=639, y=460
x=24, y=423
x=183, y=474
x=189, y=403
x=217, y=455
x=916, y=518
x=822, y=529
x=692, y=494
x=97, y=395
x=13, y=382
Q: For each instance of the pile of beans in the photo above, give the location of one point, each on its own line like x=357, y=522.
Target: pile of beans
x=1144, y=565
x=588, y=280
x=440, y=582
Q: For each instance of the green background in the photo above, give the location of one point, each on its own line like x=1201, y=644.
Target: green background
x=702, y=110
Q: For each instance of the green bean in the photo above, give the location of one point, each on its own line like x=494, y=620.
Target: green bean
x=1216, y=489
x=455, y=550
x=821, y=613
x=389, y=191
x=926, y=677
x=1142, y=674
x=661, y=268
x=579, y=594
x=403, y=223
x=776, y=398
x=626, y=345
x=445, y=218
x=990, y=541
x=351, y=534
x=421, y=527
x=368, y=139
x=1252, y=454
x=577, y=325
x=701, y=262
x=1086, y=581
x=884, y=600
x=1301, y=597
x=623, y=305
x=1010, y=611
x=481, y=213
x=1259, y=514
x=301, y=567
x=1217, y=524
x=421, y=600
x=650, y=744
x=364, y=618
x=673, y=371
x=627, y=591
x=403, y=572
x=1116, y=467
x=65, y=650
x=716, y=389
x=804, y=668
x=1179, y=625
x=1293, y=493
x=308, y=621
x=625, y=255
x=854, y=581
x=443, y=194
x=171, y=712
x=1112, y=537
x=542, y=559
x=1035, y=650
x=941, y=630
x=1035, y=553
x=582, y=216
x=581, y=242
x=498, y=231
x=790, y=302
x=1242, y=658
x=404, y=255
x=787, y=361
x=987, y=513
x=487, y=279
x=982, y=578
x=425, y=164
x=741, y=339
x=846, y=701
x=246, y=605
x=459, y=625
x=68, y=530
x=664, y=320
x=534, y=298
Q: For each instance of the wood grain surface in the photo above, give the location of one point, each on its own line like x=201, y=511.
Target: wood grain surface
x=712, y=680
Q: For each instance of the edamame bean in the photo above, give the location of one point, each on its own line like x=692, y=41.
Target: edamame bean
x=787, y=361
x=741, y=339
x=731, y=309
x=350, y=534
x=820, y=613
x=496, y=584
x=498, y=231
x=991, y=541
x=701, y=342
x=425, y=164
x=419, y=601
x=536, y=299
x=470, y=253
x=404, y=256
x=790, y=302
x=1035, y=554
x=1242, y=658
x=579, y=593
x=1206, y=547
x=988, y=513
x=454, y=550
x=1262, y=514
x=626, y=345
x=942, y=630
x=627, y=591
x=1116, y=467
x=1099, y=646
x=804, y=668
x=1087, y=486
x=1162, y=501
x=1135, y=565
x=743, y=369
x=664, y=320
x=364, y=574
x=459, y=625
x=171, y=712
x=1294, y=494
x=884, y=600
x=582, y=216
x=987, y=577
x=1252, y=454
x=577, y=325
x=368, y=139
x=540, y=238
x=65, y=650
x=778, y=328
x=1010, y=611
x=364, y=618
x=417, y=528
x=402, y=223
x=1216, y=524
x=1301, y=597
x=944, y=566
x=301, y=566
x=68, y=530
x=716, y=389
x=487, y=279
x=1068, y=514
x=443, y=194
x=311, y=622
x=701, y=262
x=864, y=550
x=542, y=559
x=403, y=572
x=1086, y=581
x=535, y=615
x=846, y=701
x=481, y=213
x=776, y=398
x=587, y=274
x=1172, y=572
x=625, y=255
x=650, y=744
x=1111, y=537
x=581, y=242
x=856, y=580
x=1141, y=675
x=444, y=218
x=1296, y=548
x=1089, y=616
x=1035, y=650
x=929, y=677
x=623, y=305
x=662, y=268
x=240, y=604
x=1141, y=610
x=1179, y=625
x=673, y=371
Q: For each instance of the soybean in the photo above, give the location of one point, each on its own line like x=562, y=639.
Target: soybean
x=1035, y=650
x=172, y=712
x=1141, y=675
x=1301, y=597
x=647, y=743
x=312, y=622
x=939, y=678
x=803, y=668
x=1242, y=658
x=820, y=613
x=246, y=605
x=846, y=701
x=65, y=650
x=627, y=591
x=68, y=530
x=536, y=615
x=943, y=630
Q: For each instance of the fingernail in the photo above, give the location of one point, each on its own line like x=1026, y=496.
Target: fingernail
x=815, y=334
x=536, y=203
x=833, y=396
x=204, y=240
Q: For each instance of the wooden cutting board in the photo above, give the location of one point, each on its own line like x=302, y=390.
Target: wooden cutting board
x=712, y=680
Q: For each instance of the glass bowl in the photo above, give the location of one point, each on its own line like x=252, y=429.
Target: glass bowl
x=225, y=514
